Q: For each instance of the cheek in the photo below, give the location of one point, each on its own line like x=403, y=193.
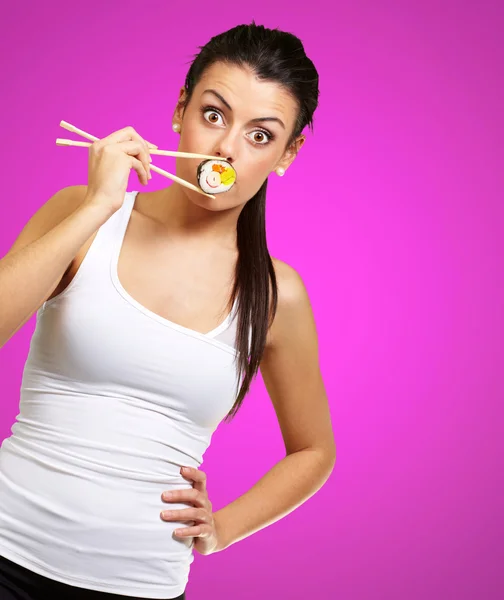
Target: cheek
x=186, y=168
x=253, y=173
x=191, y=140
x=195, y=134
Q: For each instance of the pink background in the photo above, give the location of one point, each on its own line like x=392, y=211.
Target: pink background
x=400, y=247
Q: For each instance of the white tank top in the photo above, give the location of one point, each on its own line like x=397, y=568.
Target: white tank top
x=114, y=400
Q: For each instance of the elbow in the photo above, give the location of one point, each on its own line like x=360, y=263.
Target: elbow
x=329, y=458
x=326, y=460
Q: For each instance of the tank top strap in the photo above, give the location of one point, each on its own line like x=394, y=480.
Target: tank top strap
x=93, y=274
x=112, y=231
x=123, y=217
x=108, y=240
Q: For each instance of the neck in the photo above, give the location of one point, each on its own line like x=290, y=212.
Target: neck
x=184, y=218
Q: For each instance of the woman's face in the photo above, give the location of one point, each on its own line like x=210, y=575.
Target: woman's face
x=241, y=119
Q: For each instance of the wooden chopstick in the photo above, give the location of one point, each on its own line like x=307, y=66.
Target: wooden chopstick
x=86, y=135
x=72, y=128
x=65, y=142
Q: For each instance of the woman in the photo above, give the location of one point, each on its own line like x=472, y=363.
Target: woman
x=133, y=365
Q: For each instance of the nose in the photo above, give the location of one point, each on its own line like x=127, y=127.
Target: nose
x=228, y=158
x=225, y=149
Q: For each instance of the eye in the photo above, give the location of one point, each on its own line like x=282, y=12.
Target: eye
x=261, y=138
x=213, y=116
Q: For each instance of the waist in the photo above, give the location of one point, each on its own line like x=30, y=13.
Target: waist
x=77, y=496
x=94, y=528
x=92, y=437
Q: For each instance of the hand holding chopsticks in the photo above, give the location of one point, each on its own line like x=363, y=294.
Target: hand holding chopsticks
x=152, y=149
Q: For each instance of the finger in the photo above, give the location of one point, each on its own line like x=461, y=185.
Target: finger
x=144, y=154
x=202, y=531
x=187, y=514
x=122, y=135
x=140, y=170
x=131, y=147
x=135, y=149
x=189, y=495
x=139, y=149
x=199, y=477
x=146, y=159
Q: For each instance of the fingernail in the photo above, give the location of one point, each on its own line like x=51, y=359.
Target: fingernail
x=167, y=495
x=167, y=514
x=150, y=158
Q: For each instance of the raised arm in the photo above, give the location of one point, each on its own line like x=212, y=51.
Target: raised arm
x=41, y=254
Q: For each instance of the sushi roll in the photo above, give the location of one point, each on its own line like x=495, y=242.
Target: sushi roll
x=215, y=176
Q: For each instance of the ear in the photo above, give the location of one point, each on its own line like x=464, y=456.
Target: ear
x=291, y=153
x=178, y=113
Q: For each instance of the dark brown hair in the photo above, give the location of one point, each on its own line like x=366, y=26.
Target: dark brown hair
x=277, y=56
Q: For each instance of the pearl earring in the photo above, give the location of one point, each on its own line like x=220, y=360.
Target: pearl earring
x=176, y=127
x=280, y=172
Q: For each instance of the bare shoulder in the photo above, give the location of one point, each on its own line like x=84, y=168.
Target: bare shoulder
x=294, y=314
x=54, y=210
x=291, y=288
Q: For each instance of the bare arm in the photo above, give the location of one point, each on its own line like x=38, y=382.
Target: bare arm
x=291, y=374
x=40, y=256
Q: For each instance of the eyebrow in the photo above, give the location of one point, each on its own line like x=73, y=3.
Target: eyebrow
x=256, y=120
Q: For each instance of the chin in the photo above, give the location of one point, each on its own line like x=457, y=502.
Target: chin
x=223, y=201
